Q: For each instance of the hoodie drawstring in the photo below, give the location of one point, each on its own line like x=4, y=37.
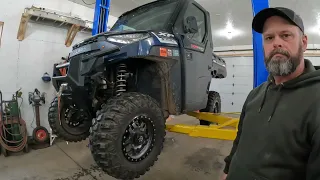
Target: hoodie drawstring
x=276, y=102
x=264, y=97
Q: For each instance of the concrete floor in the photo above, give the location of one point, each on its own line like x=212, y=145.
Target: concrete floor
x=183, y=158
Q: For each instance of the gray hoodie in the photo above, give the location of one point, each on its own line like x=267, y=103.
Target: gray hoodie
x=279, y=131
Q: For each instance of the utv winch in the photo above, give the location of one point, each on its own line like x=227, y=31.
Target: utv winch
x=119, y=87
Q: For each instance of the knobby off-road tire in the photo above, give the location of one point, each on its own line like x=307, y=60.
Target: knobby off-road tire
x=59, y=130
x=111, y=129
x=213, y=106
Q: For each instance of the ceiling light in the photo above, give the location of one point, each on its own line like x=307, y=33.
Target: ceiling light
x=229, y=31
x=315, y=30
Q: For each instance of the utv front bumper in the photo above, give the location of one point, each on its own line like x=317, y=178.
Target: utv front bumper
x=82, y=61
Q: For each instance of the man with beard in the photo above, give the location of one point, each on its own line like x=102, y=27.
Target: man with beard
x=278, y=134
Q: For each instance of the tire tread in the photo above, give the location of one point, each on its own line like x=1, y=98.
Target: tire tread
x=105, y=133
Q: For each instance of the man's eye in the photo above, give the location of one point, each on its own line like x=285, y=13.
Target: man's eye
x=286, y=35
x=268, y=38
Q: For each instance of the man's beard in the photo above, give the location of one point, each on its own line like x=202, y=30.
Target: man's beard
x=283, y=66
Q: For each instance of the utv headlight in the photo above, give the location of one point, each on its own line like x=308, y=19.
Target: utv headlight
x=128, y=38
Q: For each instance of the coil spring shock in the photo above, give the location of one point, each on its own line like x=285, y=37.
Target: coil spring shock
x=121, y=79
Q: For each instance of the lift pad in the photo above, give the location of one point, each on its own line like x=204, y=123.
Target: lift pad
x=225, y=127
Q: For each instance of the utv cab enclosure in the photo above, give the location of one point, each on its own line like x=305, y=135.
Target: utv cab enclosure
x=118, y=87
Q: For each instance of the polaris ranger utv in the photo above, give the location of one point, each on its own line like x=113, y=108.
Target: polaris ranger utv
x=119, y=87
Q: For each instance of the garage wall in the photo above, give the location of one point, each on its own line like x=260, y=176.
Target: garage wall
x=235, y=87
x=23, y=63
x=239, y=81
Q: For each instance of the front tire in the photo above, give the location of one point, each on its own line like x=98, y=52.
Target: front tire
x=64, y=130
x=132, y=121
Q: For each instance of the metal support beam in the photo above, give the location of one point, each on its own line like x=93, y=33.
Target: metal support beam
x=260, y=73
x=101, y=14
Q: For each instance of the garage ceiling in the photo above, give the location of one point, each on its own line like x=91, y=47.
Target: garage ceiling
x=236, y=14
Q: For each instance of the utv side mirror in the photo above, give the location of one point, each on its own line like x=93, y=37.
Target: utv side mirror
x=190, y=25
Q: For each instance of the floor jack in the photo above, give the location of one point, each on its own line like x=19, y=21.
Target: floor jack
x=40, y=135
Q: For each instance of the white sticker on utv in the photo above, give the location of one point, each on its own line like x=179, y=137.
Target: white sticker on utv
x=166, y=38
x=169, y=52
x=165, y=34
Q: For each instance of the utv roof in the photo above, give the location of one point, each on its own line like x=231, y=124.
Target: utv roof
x=144, y=5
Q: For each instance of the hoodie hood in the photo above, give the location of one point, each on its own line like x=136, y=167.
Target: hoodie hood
x=308, y=77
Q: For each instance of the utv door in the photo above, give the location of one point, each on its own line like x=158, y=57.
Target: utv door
x=196, y=52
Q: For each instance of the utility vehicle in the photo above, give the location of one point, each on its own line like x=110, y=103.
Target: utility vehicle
x=119, y=87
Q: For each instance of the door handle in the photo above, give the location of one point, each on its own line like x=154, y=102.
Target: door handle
x=189, y=56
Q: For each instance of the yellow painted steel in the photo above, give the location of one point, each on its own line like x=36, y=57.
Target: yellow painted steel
x=225, y=128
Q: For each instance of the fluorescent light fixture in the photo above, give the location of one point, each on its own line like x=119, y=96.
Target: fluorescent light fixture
x=315, y=29
x=229, y=31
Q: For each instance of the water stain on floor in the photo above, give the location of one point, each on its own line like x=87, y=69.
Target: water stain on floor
x=206, y=160
x=85, y=172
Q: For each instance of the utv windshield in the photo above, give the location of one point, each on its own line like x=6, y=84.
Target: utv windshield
x=153, y=16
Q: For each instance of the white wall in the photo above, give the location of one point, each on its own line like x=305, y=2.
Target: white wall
x=239, y=81
x=23, y=63
x=235, y=87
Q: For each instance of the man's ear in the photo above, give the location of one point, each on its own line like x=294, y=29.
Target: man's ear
x=304, y=42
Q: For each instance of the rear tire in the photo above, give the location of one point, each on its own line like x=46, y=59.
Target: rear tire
x=111, y=129
x=213, y=106
x=59, y=130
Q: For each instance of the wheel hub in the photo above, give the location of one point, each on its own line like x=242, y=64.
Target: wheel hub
x=41, y=134
x=73, y=116
x=138, y=139
x=74, y=120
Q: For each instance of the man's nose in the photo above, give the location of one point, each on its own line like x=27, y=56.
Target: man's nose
x=277, y=42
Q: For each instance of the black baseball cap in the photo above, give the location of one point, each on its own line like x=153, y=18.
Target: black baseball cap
x=288, y=14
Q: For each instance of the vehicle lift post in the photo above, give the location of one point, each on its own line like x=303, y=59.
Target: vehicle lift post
x=101, y=15
x=260, y=72
x=225, y=127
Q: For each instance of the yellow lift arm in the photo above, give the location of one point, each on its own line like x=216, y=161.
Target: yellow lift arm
x=225, y=127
